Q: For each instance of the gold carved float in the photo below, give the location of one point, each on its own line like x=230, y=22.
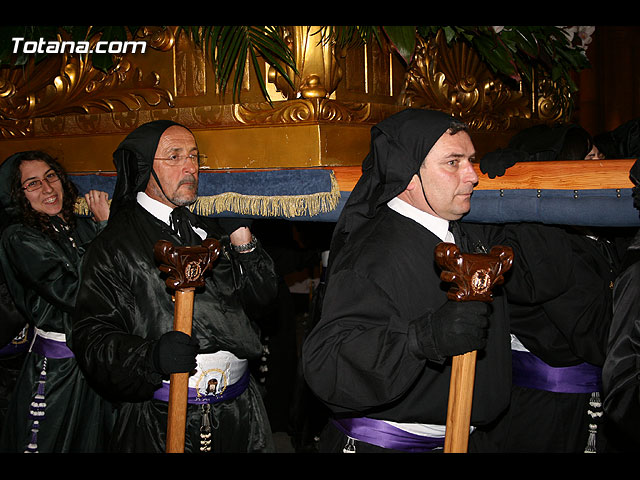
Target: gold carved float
x=78, y=113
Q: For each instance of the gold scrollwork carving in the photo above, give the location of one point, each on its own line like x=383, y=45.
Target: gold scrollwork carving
x=159, y=38
x=15, y=128
x=125, y=120
x=68, y=83
x=455, y=80
x=553, y=100
x=302, y=110
x=209, y=114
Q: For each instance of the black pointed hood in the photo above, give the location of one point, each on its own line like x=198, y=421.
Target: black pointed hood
x=6, y=174
x=399, y=145
x=133, y=160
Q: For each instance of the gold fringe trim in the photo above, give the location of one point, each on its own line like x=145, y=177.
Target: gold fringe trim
x=287, y=206
x=81, y=207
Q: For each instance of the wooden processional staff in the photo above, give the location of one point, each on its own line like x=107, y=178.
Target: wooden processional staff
x=186, y=267
x=473, y=276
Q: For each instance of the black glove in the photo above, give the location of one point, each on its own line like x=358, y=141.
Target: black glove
x=175, y=352
x=495, y=164
x=231, y=224
x=460, y=327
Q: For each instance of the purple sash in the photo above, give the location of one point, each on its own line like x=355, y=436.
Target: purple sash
x=230, y=392
x=19, y=344
x=13, y=349
x=377, y=432
x=50, y=348
x=531, y=372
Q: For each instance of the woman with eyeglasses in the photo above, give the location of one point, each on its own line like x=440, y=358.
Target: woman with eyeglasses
x=52, y=408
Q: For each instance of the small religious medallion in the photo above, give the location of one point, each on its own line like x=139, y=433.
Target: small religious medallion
x=193, y=270
x=481, y=282
x=186, y=265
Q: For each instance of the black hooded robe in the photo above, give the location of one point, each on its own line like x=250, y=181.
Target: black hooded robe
x=560, y=304
x=621, y=370
x=42, y=275
x=364, y=357
x=124, y=306
x=14, y=338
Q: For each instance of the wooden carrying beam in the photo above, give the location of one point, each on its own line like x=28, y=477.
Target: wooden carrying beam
x=595, y=193
x=560, y=175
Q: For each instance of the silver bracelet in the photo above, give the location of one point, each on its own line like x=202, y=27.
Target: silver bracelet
x=246, y=247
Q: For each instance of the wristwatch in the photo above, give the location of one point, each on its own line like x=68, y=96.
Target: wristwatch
x=246, y=247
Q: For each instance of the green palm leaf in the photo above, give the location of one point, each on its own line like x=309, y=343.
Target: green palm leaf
x=232, y=48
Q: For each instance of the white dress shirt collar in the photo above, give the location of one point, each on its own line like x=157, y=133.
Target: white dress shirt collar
x=154, y=207
x=161, y=211
x=436, y=225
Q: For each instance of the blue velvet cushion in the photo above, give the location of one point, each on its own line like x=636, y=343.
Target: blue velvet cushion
x=312, y=194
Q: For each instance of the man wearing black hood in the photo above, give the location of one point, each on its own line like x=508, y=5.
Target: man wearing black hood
x=123, y=334
x=379, y=357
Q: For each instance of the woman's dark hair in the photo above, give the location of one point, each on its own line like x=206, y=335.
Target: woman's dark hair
x=25, y=211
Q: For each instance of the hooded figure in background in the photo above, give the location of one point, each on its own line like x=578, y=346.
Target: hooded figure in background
x=621, y=371
x=621, y=142
x=123, y=328
x=52, y=409
x=14, y=331
x=14, y=335
x=379, y=357
x=559, y=295
x=541, y=143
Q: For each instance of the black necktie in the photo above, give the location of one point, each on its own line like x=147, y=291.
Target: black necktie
x=181, y=224
x=454, y=228
x=466, y=242
x=459, y=235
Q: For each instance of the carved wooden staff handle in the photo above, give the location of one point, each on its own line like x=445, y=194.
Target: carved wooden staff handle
x=186, y=267
x=472, y=275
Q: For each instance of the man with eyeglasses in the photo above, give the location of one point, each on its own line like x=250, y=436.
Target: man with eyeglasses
x=123, y=327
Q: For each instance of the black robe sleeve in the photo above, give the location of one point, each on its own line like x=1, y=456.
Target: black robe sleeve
x=375, y=353
x=541, y=268
x=621, y=371
x=39, y=274
x=254, y=278
x=559, y=292
x=12, y=321
x=38, y=268
x=117, y=362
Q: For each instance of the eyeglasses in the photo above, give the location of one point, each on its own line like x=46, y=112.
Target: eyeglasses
x=175, y=160
x=33, y=185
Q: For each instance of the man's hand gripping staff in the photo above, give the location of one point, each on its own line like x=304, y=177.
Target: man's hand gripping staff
x=472, y=276
x=186, y=267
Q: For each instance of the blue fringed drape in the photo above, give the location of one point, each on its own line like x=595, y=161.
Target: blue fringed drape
x=297, y=193
x=313, y=194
